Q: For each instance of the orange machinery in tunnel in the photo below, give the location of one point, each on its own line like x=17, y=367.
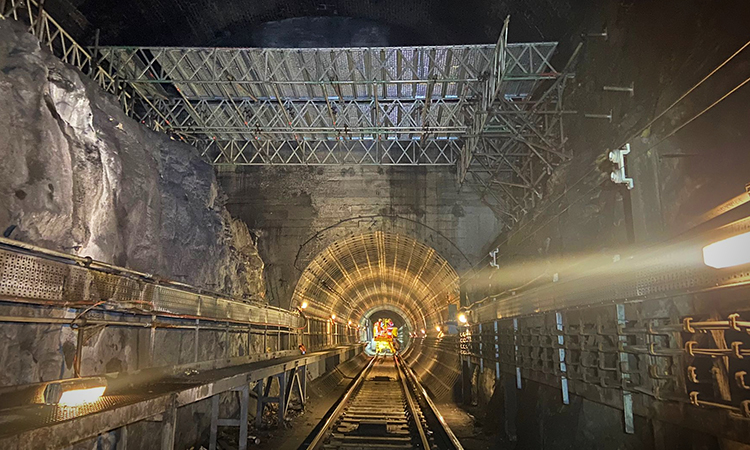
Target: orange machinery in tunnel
x=385, y=336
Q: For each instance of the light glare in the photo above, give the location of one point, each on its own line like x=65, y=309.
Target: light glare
x=730, y=252
x=438, y=328
x=304, y=305
x=462, y=318
x=78, y=397
x=333, y=316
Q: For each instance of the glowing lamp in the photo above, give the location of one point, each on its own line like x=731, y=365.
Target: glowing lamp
x=333, y=316
x=462, y=318
x=730, y=252
x=304, y=305
x=78, y=397
x=75, y=392
x=422, y=330
x=438, y=328
x=350, y=323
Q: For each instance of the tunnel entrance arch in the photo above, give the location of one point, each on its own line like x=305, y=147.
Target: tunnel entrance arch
x=357, y=275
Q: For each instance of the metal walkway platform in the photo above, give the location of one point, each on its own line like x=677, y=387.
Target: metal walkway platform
x=39, y=426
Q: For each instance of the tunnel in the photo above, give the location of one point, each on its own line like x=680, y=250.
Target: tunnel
x=358, y=276
x=413, y=224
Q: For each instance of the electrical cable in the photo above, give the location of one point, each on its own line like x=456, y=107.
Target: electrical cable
x=632, y=136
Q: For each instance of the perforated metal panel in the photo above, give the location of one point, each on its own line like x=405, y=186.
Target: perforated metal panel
x=37, y=279
x=23, y=276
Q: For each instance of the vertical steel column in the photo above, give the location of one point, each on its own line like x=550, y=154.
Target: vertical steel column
x=195, y=338
x=244, y=403
x=303, y=383
x=260, y=405
x=169, y=426
x=515, y=347
x=241, y=421
x=481, y=350
x=511, y=407
x=214, y=422
x=497, y=352
x=40, y=20
x=151, y=341
x=627, y=396
x=123, y=438
x=561, y=356
x=282, y=395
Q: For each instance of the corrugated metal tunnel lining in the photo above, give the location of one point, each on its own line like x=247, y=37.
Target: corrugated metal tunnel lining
x=361, y=273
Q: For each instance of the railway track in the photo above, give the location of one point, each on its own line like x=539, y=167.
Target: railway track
x=384, y=408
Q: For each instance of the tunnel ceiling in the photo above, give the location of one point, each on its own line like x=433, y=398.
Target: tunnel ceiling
x=359, y=274
x=233, y=22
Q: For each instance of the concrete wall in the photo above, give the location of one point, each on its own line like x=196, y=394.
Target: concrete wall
x=291, y=206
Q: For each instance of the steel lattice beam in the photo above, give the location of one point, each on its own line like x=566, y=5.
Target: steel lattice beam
x=494, y=111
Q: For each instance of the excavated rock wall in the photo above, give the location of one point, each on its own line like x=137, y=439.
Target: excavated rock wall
x=79, y=176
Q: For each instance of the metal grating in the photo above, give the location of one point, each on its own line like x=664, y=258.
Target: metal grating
x=36, y=279
x=23, y=276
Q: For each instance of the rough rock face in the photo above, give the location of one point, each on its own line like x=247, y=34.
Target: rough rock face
x=78, y=175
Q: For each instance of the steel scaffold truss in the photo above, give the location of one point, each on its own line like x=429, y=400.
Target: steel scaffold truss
x=493, y=111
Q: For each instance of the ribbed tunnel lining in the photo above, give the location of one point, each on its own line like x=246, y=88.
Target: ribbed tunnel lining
x=357, y=274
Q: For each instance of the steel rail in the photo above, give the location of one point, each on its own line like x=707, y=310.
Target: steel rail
x=356, y=407
x=412, y=404
x=341, y=406
x=431, y=405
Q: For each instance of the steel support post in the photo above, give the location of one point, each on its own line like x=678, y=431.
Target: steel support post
x=627, y=396
x=481, y=350
x=561, y=355
x=497, y=351
x=244, y=403
x=169, y=426
x=123, y=438
x=282, y=396
x=259, y=391
x=466, y=376
x=511, y=406
x=241, y=421
x=515, y=355
x=195, y=339
x=214, y=422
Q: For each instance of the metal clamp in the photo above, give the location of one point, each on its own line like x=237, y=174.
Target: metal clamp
x=617, y=157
